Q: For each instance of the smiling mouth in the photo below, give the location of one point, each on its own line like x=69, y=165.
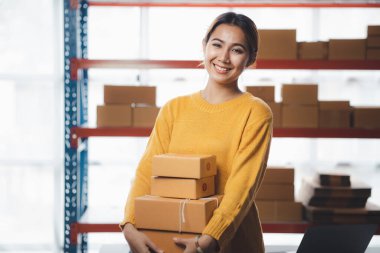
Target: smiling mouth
x=220, y=69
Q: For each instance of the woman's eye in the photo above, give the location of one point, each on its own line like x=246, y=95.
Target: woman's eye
x=237, y=50
x=216, y=45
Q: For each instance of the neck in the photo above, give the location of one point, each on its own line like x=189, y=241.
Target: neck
x=215, y=94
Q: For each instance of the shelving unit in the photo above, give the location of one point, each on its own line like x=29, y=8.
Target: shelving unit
x=78, y=220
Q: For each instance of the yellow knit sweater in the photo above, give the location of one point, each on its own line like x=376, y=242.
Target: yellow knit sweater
x=238, y=132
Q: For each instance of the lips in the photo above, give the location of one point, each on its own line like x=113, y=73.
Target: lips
x=220, y=69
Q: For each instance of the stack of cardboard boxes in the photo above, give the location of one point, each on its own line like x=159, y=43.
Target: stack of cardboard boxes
x=127, y=106
x=334, y=114
x=300, y=108
x=336, y=199
x=347, y=49
x=300, y=105
x=182, y=199
x=275, y=198
x=373, y=43
x=282, y=45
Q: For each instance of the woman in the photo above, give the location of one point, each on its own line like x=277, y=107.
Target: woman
x=224, y=121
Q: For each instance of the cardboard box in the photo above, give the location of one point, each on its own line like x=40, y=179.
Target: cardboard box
x=339, y=202
x=184, y=165
x=170, y=214
x=276, y=192
x=278, y=175
x=279, y=211
x=368, y=214
x=114, y=116
x=347, y=49
x=299, y=94
x=311, y=188
x=277, y=113
x=144, y=116
x=184, y=188
x=373, y=42
x=313, y=50
x=343, y=180
x=301, y=116
x=266, y=93
x=373, y=30
x=277, y=44
x=367, y=117
x=334, y=114
x=164, y=239
x=373, y=54
x=117, y=94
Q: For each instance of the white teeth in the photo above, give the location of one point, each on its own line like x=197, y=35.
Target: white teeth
x=220, y=68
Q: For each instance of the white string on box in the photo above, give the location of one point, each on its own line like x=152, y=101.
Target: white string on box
x=181, y=215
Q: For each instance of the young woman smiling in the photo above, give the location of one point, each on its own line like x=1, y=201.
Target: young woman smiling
x=224, y=121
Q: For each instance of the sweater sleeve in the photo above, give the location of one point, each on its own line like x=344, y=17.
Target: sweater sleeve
x=158, y=143
x=247, y=171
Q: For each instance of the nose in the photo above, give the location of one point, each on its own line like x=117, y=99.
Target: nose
x=224, y=56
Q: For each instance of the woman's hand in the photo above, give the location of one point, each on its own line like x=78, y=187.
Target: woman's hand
x=139, y=242
x=207, y=243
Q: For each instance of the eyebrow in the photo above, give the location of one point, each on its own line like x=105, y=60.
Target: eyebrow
x=235, y=44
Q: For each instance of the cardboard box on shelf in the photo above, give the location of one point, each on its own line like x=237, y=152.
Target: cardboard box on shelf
x=184, y=165
x=373, y=42
x=171, y=214
x=118, y=94
x=373, y=54
x=338, y=202
x=277, y=113
x=334, y=114
x=164, y=239
x=279, y=211
x=373, y=30
x=313, y=50
x=185, y=188
x=302, y=116
x=369, y=214
x=266, y=93
x=299, y=94
x=278, y=175
x=276, y=192
x=311, y=188
x=344, y=49
x=114, y=116
x=144, y=115
x=277, y=44
x=335, y=179
x=366, y=117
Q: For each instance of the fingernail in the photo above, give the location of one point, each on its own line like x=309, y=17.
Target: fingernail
x=175, y=238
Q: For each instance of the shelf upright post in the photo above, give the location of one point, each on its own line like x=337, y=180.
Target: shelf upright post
x=76, y=114
x=83, y=117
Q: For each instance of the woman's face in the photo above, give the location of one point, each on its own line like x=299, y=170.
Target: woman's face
x=226, y=54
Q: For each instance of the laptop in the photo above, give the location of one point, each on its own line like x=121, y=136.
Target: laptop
x=353, y=238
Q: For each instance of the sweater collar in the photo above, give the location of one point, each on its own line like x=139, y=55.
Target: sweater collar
x=202, y=104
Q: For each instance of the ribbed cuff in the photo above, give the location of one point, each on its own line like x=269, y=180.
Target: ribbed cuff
x=127, y=219
x=216, y=228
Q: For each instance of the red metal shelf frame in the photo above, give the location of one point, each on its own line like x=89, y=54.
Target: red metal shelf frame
x=236, y=4
x=78, y=133
x=77, y=64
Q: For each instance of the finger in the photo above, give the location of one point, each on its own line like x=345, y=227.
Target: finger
x=181, y=241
